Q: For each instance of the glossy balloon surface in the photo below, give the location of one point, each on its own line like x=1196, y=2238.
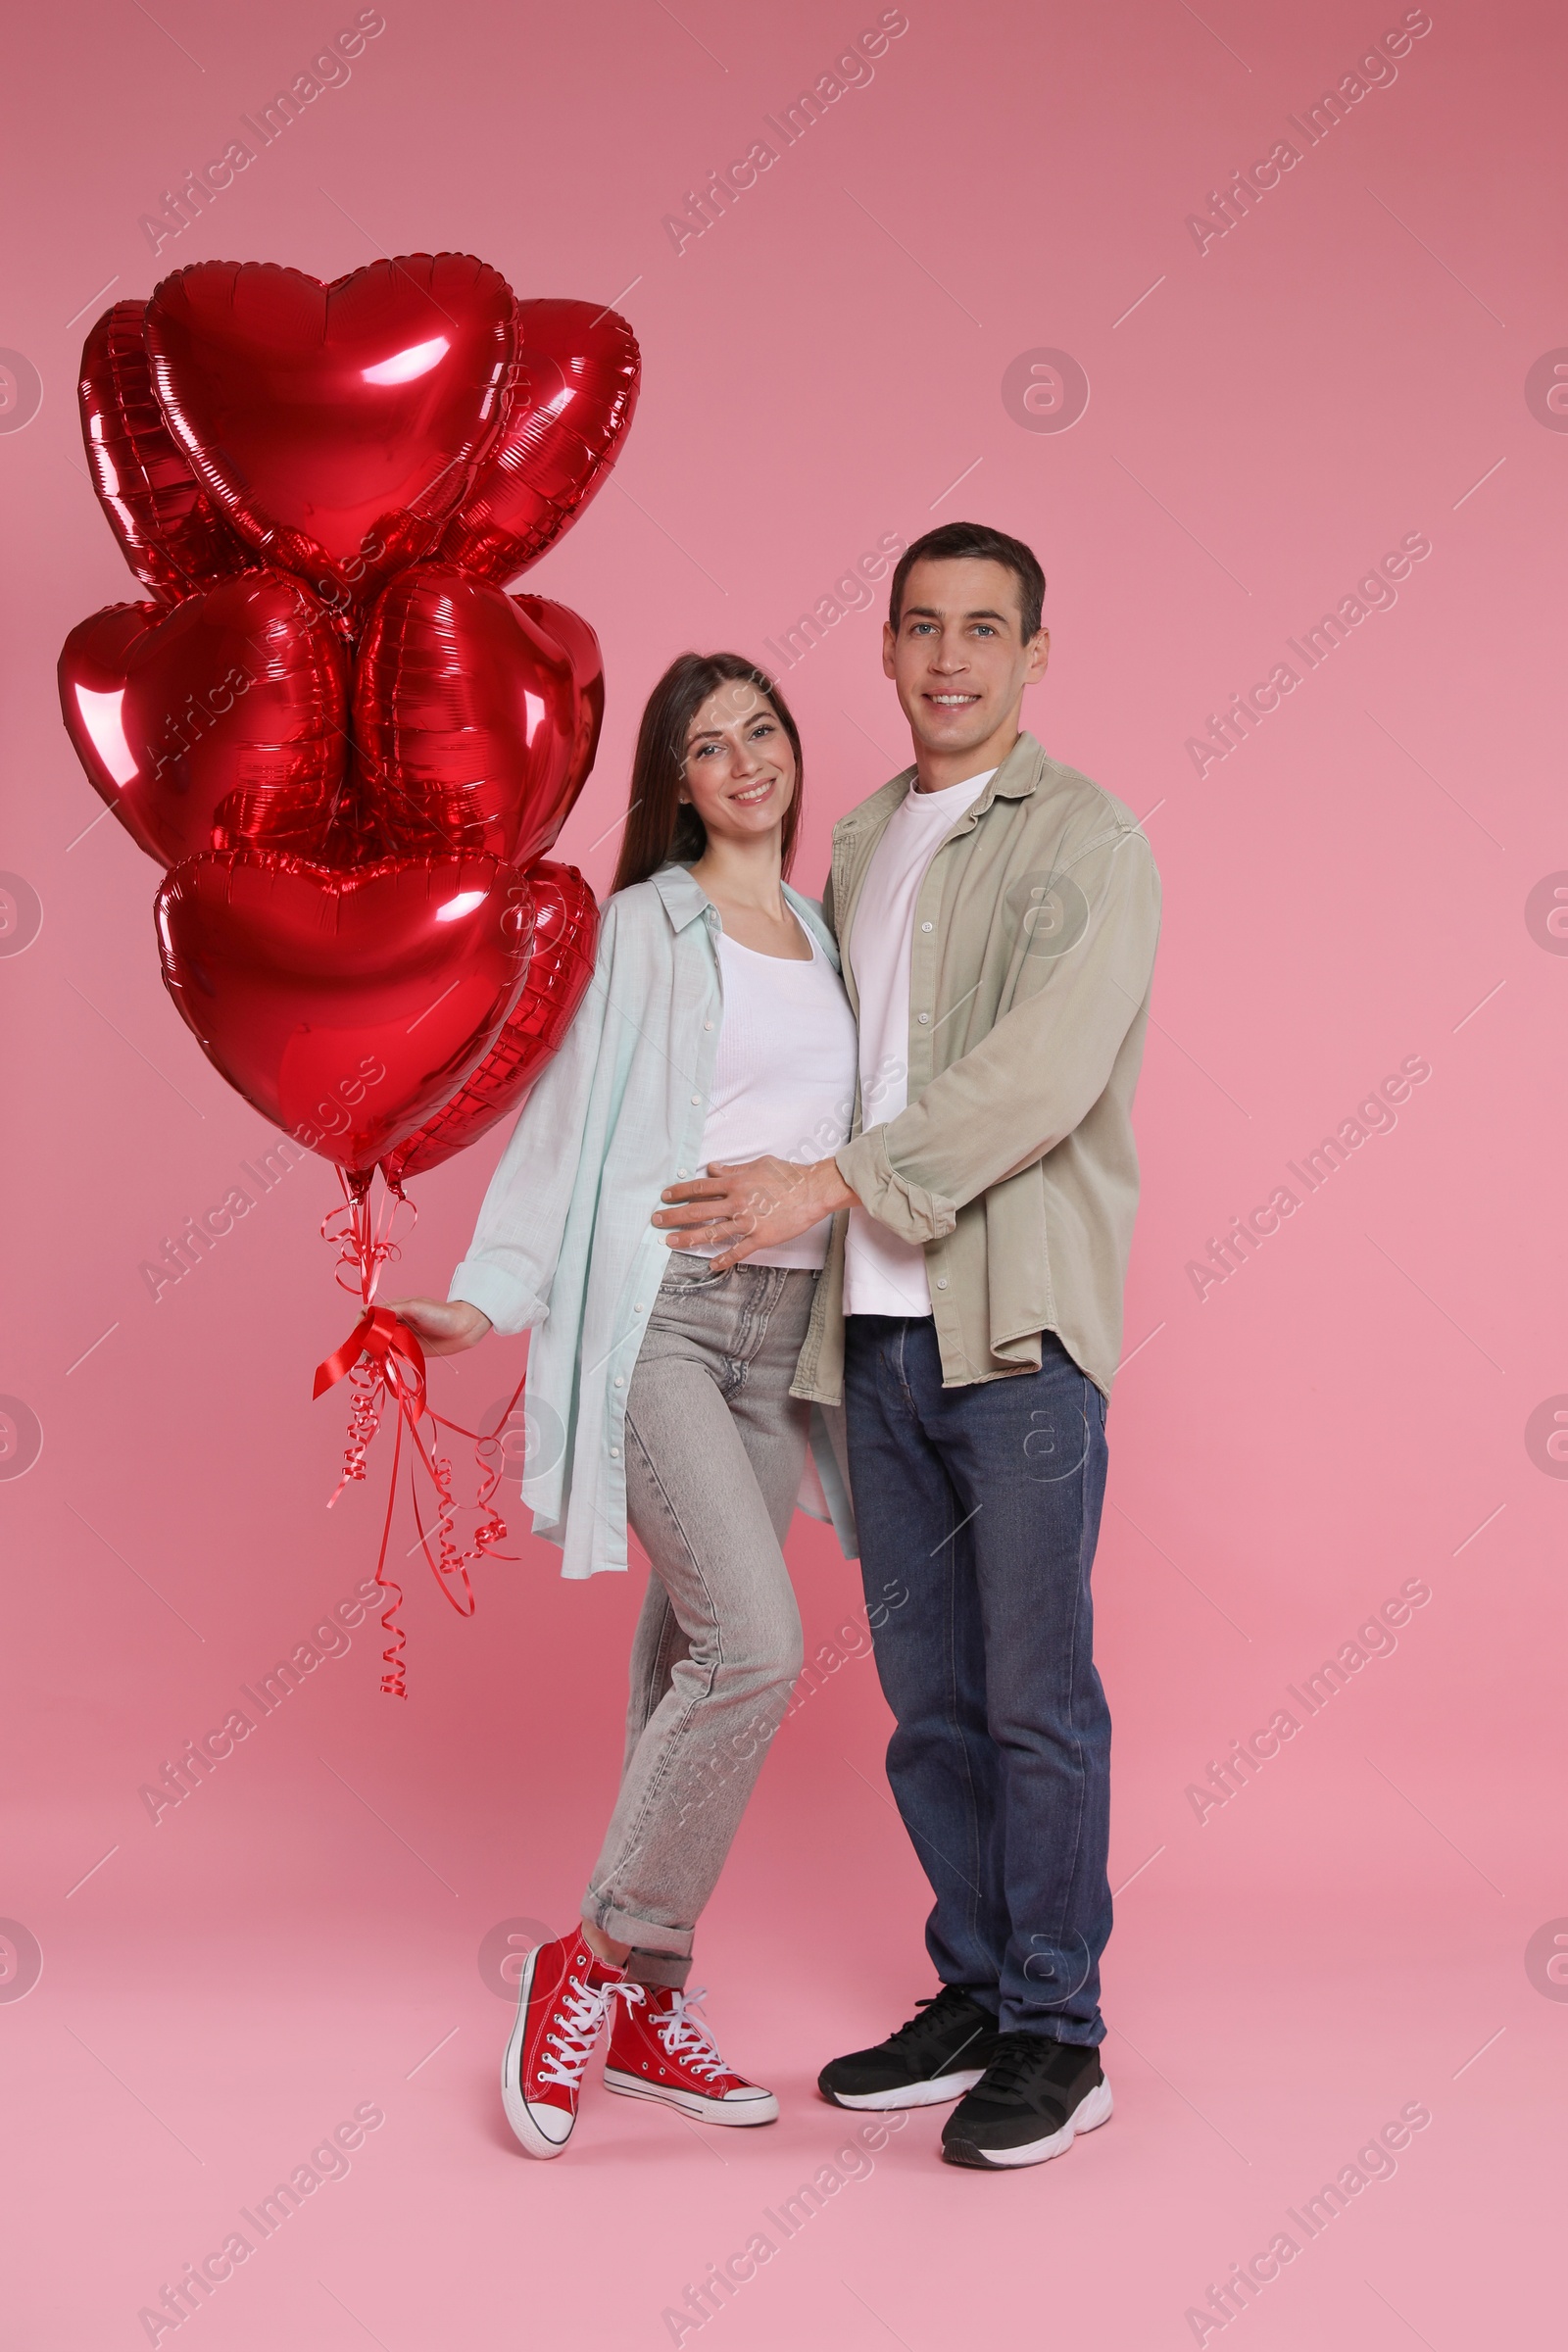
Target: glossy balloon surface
x=169, y=529
x=578, y=642
x=347, y=1008
x=221, y=722
x=578, y=370
x=468, y=716
x=337, y=426
x=559, y=970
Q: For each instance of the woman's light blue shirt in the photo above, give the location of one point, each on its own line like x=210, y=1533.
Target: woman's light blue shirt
x=565, y=1246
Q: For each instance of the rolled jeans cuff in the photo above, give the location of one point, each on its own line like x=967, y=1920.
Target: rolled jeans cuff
x=664, y=1949
x=657, y=1968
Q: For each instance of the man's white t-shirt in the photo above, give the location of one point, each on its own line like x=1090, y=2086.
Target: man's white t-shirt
x=882, y=1274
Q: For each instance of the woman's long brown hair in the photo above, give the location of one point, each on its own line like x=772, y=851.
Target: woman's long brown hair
x=660, y=826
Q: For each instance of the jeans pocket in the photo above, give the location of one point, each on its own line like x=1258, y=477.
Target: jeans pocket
x=682, y=1276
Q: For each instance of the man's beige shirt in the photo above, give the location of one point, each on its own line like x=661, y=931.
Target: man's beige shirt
x=1014, y=1163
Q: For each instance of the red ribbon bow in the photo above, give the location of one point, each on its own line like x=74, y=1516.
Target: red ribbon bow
x=379, y=1333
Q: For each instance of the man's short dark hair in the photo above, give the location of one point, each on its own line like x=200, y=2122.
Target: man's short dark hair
x=976, y=540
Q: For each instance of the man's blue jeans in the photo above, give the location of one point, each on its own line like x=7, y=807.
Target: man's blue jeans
x=983, y=1504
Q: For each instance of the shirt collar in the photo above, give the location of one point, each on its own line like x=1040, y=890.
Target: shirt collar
x=1018, y=775
x=684, y=899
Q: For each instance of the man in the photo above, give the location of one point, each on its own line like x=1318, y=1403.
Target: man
x=997, y=914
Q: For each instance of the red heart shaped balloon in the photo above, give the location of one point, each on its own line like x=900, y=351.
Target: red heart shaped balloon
x=170, y=532
x=580, y=646
x=337, y=426
x=221, y=722
x=578, y=372
x=345, y=1006
x=559, y=968
x=468, y=718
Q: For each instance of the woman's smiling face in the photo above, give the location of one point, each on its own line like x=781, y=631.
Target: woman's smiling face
x=739, y=769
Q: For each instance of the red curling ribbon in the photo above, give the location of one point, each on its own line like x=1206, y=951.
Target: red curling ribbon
x=384, y=1363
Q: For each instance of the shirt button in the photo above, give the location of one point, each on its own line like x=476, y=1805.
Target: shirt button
x=619, y=1381
x=638, y=1308
x=942, y=1284
x=708, y=1024
x=697, y=1099
x=614, y=1453
x=680, y=1171
x=925, y=1018
x=926, y=926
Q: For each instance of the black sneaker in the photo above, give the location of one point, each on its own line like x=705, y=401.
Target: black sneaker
x=1034, y=2097
x=938, y=2055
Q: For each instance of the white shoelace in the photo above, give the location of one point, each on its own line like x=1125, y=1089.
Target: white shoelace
x=580, y=2013
x=687, y=2037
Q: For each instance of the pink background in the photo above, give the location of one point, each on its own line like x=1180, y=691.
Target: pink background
x=1348, y=888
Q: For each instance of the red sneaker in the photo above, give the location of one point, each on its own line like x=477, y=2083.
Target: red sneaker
x=658, y=2049
x=562, y=2001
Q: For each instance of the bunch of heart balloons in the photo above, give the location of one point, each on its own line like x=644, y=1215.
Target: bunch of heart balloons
x=345, y=744
x=348, y=746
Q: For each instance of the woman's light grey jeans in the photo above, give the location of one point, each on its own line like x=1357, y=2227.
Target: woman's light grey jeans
x=714, y=1450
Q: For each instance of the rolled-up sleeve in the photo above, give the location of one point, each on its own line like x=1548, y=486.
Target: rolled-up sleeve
x=1038, y=1072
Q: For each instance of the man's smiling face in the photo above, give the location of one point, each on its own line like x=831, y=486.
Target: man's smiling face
x=958, y=656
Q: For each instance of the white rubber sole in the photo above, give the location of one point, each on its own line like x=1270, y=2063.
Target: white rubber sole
x=939, y=2092
x=528, y=2133
x=1094, y=2109
x=764, y=2110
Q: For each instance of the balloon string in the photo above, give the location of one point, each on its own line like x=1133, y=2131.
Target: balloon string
x=385, y=1365
x=364, y=1238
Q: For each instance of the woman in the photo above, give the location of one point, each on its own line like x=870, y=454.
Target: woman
x=717, y=1031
